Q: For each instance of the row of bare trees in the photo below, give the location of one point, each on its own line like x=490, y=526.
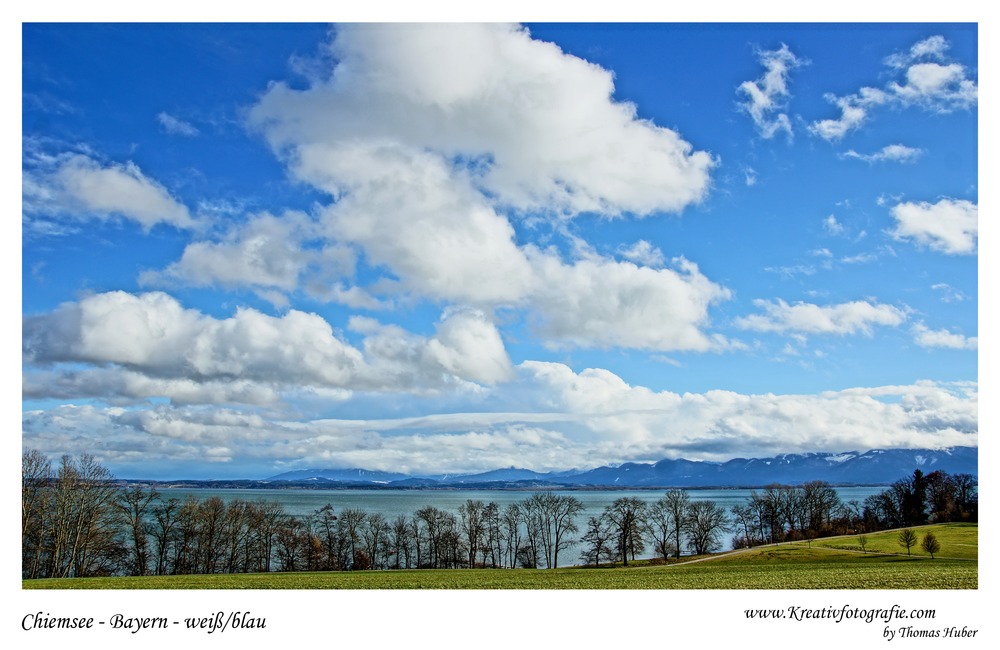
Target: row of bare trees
x=68, y=518
x=530, y=533
x=670, y=524
x=784, y=512
x=78, y=521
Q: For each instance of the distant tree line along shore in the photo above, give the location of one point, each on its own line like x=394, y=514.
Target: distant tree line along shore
x=78, y=521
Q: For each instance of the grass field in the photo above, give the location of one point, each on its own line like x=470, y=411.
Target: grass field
x=834, y=563
x=958, y=541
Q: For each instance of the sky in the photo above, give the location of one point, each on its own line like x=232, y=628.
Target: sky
x=253, y=248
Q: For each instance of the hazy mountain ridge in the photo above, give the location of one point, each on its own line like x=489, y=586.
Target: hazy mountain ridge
x=873, y=467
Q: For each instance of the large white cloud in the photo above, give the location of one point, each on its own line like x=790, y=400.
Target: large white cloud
x=949, y=226
x=430, y=139
x=846, y=318
x=160, y=346
x=540, y=127
x=416, y=217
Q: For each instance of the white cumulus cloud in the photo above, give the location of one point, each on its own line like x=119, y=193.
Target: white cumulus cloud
x=82, y=187
x=604, y=303
x=138, y=344
x=858, y=317
x=265, y=251
x=430, y=141
x=949, y=226
x=928, y=338
x=538, y=127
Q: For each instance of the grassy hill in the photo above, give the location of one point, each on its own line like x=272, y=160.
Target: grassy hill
x=832, y=563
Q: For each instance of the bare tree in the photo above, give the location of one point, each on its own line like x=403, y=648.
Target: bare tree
x=324, y=525
x=511, y=519
x=562, y=515
x=211, y=529
x=133, y=505
x=676, y=503
x=790, y=509
x=493, y=540
x=36, y=475
x=599, y=541
x=164, y=531
x=533, y=535
x=882, y=511
x=350, y=522
x=951, y=498
x=767, y=512
x=473, y=526
x=706, y=522
x=414, y=524
x=627, y=516
x=184, y=553
x=265, y=516
x=442, y=537
x=237, y=533
x=930, y=544
x=290, y=544
x=907, y=539
x=401, y=542
x=820, y=502
x=429, y=517
x=81, y=521
x=666, y=522
x=552, y=519
x=375, y=533
x=452, y=548
x=744, y=519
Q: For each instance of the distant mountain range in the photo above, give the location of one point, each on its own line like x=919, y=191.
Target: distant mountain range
x=874, y=467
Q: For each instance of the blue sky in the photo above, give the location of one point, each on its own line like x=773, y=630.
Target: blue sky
x=254, y=248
